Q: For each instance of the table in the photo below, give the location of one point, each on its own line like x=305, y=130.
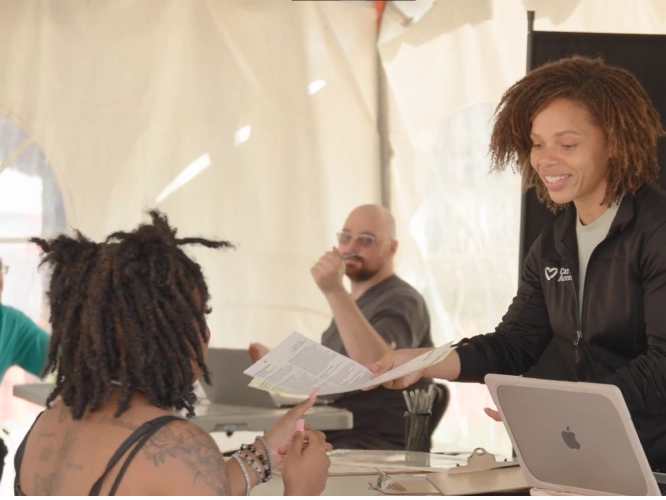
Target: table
x=336, y=485
x=226, y=418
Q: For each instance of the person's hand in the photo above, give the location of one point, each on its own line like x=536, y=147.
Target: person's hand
x=283, y=450
x=257, y=351
x=494, y=414
x=329, y=271
x=396, y=358
x=305, y=469
x=280, y=434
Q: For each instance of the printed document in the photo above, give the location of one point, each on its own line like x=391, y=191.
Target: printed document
x=300, y=365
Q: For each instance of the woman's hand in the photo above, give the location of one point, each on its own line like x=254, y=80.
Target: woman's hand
x=494, y=414
x=305, y=469
x=447, y=369
x=396, y=358
x=279, y=436
x=257, y=351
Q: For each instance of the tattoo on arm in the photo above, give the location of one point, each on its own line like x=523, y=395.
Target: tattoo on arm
x=194, y=448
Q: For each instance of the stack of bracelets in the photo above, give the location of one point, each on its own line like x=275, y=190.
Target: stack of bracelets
x=259, y=463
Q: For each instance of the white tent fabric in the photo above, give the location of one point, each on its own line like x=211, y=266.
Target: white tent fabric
x=459, y=225
x=252, y=121
x=279, y=96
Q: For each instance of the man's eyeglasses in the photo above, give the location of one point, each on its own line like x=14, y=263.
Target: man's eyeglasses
x=364, y=240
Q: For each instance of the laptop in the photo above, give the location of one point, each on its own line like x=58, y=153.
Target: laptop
x=230, y=384
x=573, y=437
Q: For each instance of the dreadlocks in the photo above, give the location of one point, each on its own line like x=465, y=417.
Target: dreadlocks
x=129, y=310
x=616, y=102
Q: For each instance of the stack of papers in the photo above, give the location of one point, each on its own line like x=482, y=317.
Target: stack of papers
x=299, y=365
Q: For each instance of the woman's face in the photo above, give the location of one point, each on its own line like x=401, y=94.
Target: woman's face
x=570, y=154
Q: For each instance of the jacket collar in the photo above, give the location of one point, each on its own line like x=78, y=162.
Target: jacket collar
x=625, y=214
x=565, y=228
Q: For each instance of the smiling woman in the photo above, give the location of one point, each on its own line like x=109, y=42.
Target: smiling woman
x=590, y=302
x=588, y=126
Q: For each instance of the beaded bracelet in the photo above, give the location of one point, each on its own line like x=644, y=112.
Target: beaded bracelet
x=245, y=474
x=269, y=470
x=261, y=458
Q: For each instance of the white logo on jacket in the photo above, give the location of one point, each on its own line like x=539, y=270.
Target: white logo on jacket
x=551, y=272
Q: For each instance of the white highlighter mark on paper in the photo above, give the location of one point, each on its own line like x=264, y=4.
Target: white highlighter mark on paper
x=300, y=365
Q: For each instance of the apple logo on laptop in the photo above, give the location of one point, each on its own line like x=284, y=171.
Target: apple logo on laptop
x=569, y=439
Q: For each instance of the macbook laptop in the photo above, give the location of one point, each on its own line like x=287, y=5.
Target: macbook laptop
x=230, y=384
x=573, y=437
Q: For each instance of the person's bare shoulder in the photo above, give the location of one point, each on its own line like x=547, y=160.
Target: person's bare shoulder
x=188, y=460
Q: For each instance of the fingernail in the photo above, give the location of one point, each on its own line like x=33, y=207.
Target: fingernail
x=300, y=425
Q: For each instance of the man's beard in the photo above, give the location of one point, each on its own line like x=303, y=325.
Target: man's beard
x=360, y=273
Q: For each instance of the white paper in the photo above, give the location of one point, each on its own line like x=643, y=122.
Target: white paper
x=300, y=365
x=395, y=461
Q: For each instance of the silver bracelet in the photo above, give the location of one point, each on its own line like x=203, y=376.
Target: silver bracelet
x=245, y=474
x=256, y=468
x=269, y=470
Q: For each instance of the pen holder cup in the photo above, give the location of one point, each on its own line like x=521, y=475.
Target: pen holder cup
x=417, y=436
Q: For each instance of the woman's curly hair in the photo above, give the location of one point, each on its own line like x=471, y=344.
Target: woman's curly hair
x=615, y=100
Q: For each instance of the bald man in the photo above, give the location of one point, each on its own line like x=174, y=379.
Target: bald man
x=381, y=313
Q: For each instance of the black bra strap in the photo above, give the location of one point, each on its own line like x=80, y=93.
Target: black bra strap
x=145, y=431
x=18, y=458
x=131, y=456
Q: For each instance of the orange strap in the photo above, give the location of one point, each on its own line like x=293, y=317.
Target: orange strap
x=380, y=5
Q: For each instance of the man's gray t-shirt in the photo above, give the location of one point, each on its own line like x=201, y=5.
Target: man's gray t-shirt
x=399, y=314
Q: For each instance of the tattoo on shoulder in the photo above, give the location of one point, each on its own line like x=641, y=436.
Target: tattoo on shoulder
x=62, y=416
x=45, y=454
x=67, y=444
x=193, y=447
x=117, y=422
x=50, y=484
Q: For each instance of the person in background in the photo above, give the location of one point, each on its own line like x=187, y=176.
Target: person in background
x=129, y=342
x=382, y=313
x=591, y=305
x=22, y=343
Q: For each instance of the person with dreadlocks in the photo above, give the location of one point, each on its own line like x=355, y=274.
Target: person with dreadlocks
x=591, y=304
x=129, y=341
